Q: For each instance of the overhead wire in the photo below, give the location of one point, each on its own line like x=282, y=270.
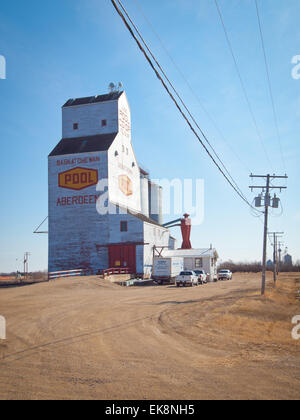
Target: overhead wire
x=203, y=107
x=158, y=75
x=244, y=90
x=177, y=94
x=270, y=84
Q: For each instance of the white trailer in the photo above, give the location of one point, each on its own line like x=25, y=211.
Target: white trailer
x=197, y=259
x=165, y=270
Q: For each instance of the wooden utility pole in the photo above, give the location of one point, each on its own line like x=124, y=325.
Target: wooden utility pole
x=267, y=203
x=276, y=235
x=280, y=244
x=26, y=257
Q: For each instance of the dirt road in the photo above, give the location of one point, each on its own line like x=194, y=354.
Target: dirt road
x=85, y=338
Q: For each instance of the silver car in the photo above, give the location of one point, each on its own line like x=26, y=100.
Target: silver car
x=224, y=275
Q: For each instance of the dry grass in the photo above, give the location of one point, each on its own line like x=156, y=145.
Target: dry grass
x=87, y=338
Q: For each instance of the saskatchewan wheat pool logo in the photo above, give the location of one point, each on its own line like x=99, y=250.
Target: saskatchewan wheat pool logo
x=78, y=178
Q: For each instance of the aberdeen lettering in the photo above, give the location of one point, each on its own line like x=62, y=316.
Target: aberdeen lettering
x=77, y=200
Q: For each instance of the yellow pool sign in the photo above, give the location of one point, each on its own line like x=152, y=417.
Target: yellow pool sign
x=78, y=178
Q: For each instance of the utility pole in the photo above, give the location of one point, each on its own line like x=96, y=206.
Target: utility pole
x=267, y=203
x=26, y=258
x=276, y=235
x=280, y=244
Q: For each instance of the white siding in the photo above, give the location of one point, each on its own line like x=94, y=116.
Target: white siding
x=122, y=162
x=89, y=118
x=189, y=264
x=134, y=225
x=76, y=229
x=144, y=195
x=153, y=235
x=172, y=243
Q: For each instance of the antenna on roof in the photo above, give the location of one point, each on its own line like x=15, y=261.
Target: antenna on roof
x=115, y=87
x=112, y=87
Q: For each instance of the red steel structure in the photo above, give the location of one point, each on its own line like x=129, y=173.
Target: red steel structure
x=186, y=228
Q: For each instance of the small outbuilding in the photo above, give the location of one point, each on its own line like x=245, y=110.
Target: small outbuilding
x=197, y=259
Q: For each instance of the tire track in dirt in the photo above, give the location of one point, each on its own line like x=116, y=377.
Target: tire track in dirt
x=88, y=339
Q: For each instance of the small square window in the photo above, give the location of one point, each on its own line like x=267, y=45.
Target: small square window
x=104, y=123
x=124, y=227
x=75, y=126
x=199, y=262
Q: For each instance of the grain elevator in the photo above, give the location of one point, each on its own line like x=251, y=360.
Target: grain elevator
x=104, y=210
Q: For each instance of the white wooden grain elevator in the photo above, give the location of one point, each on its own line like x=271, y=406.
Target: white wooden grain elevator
x=104, y=211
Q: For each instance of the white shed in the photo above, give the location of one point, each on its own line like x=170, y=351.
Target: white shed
x=197, y=259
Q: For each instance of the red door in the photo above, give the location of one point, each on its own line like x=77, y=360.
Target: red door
x=123, y=256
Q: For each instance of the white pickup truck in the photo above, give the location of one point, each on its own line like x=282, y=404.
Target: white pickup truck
x=224, y=275
x=187, y=278
x=202, y=276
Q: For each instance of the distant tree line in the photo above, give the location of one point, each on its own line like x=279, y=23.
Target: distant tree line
x=256, y=267
x=34, y=276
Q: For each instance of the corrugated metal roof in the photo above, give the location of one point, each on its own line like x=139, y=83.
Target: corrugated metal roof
x=192, y=253
x=99, y=143
x=113, y=96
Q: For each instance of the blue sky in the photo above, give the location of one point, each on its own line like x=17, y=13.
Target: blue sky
x=63, y=49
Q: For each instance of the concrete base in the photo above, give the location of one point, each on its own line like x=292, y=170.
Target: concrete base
x=119, y=278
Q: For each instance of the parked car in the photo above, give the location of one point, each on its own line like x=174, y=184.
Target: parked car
x=187, y=278
x=202, y=277
x=224, y=275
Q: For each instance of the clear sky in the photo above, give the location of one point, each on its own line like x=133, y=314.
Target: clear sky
x=61, y=49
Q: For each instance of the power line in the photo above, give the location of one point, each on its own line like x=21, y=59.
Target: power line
x=177, y=94
x=242, y=84
x=270, y=84
x=203, y=107
x=237, y=190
